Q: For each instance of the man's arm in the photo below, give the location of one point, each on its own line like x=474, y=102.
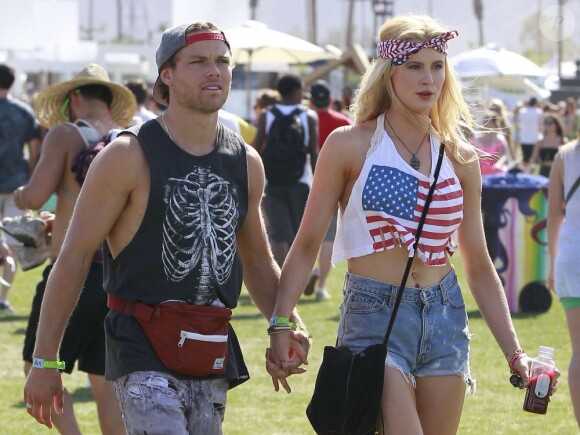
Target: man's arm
x=313, y=138
x=260, y=137
x=261, y=272
x=111, y=179
x=33, y=153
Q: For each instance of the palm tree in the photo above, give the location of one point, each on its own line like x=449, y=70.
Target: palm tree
x=478, y=9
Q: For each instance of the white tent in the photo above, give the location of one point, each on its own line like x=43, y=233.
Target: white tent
x=494, y=72
x=256, y=46
x=254, y=42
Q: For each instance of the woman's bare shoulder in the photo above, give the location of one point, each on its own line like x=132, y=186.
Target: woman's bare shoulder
x=351, y=136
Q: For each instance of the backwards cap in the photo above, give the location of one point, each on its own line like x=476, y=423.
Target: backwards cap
x=174, y=39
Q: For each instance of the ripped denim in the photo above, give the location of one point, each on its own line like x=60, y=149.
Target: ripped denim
x=158, y=403
x=430, y=336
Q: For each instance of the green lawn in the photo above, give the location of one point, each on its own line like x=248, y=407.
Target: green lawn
x=254, y=407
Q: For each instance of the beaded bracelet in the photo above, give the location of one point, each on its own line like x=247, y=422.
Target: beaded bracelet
x=517, y=355
x=275, y=329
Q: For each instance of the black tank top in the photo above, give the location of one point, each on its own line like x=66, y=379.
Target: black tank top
x=548, y=154
x=185, y=248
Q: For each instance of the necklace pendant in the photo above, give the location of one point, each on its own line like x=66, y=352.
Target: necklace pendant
x=415, y=163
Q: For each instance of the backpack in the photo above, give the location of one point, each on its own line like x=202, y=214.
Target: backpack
x=94, y=144
x=284, y=156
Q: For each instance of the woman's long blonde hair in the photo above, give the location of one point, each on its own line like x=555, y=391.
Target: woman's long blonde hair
x=451, y=118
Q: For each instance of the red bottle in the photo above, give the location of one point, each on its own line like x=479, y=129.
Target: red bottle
x=542, y=378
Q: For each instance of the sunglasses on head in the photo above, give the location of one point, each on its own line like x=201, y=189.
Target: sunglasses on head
x=64, y=108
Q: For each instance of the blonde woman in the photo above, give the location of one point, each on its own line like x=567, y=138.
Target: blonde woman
x=408, y=101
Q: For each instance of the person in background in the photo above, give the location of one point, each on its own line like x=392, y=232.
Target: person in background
x=563, y=242
x=530, y=125
x=571, y=116
x=238, y=125
x=328, y=121
x=379, y=171
x=141, y=92
x=20, y=138
x=87, y=106
x=284, y=202
x=547, y=147
x=492, y=144
x=504, y=126
x=266, y=97
x=175, y=203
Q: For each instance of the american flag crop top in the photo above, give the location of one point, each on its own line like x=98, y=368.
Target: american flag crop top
x=386, y=203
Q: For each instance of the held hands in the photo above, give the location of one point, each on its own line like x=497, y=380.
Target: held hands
x=42, y=391
x=287, y=352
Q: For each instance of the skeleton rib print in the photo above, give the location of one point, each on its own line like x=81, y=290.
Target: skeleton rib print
x=199, y=229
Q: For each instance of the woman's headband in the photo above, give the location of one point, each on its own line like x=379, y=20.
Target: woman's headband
x=400, y=51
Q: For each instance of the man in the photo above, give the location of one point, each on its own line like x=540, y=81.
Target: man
x=141, y=93
x=18, y=129
x=98, y=106
x=179, y=228
x=285, y=200
x=529, y=124
x=238, y=125
x=328, y=120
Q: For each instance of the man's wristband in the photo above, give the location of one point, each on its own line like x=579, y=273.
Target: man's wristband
x=40, y=363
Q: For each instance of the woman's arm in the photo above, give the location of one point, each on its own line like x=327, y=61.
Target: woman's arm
x=330, y=179
x=535, y=153
x=481, y=275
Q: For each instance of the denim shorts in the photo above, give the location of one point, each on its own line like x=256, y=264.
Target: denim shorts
x=158, y=403
x=430, y=336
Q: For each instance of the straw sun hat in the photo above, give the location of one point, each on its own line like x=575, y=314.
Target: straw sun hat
x=49, y=102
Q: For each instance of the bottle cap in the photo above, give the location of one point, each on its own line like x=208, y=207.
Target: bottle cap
x=546, y=350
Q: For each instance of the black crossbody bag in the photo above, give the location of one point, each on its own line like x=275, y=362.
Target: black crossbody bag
x=348, y=389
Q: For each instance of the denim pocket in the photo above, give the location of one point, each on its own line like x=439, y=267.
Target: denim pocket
x=360, y=302
x=455, y=297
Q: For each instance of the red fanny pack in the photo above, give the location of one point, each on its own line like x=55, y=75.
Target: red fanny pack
x=188, y=339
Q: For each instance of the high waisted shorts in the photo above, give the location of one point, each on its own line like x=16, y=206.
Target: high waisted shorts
x=430, y=336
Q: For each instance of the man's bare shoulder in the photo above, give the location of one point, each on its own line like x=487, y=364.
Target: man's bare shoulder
x=62, y=138
x=122, y=158
x=252, y=154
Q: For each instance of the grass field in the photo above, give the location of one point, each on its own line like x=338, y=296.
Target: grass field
x=254, y=407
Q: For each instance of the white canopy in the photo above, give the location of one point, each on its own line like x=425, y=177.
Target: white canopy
x=492, y=60
x=253, y=42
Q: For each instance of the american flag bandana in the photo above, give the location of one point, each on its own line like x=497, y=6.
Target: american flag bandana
x=393, y=201
x=400, y=51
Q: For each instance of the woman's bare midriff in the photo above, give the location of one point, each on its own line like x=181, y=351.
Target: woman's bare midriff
x=388, y=266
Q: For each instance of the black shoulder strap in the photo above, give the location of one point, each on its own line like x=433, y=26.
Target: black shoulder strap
x=572, y=190
x=276, y=112
x=417, y=236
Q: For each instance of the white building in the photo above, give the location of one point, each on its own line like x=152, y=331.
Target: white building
x=40, y=40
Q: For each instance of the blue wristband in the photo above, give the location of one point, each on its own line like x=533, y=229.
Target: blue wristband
x=279, y=321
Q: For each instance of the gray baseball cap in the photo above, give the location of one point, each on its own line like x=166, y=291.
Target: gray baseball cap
x=173, y=40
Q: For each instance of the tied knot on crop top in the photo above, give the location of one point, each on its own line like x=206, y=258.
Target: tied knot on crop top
x=386, y=203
